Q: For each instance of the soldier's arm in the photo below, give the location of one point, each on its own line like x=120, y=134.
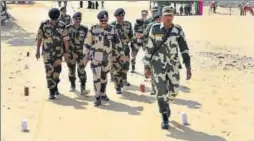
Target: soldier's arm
x=88, y=44
x=66, y=39
x=146, y=31
x=184, y=49
x=136, y=26
x=130, y=34
x=149, y=49
x=39, y=37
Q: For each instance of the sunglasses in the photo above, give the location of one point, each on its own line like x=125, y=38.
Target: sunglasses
x=121, y=15
x=103, y=21
x=78, y=19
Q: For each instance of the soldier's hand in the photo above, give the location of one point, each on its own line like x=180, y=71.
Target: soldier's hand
x=66, y=56
x=37, y=55
x=122, y=59
x=147, y=73
x=86, y=61
x=188, y=74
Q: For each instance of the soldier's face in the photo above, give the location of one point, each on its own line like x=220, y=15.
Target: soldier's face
x=168, y=18
x=104, y=22
x=144, y=16
x=77, y=20
x=120, y=17
x=158, y=20
x=63, y=12
x=154, y=12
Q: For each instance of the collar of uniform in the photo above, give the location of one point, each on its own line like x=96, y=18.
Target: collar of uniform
x=119, y=23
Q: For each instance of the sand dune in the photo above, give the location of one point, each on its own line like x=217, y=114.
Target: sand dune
x=218, y=100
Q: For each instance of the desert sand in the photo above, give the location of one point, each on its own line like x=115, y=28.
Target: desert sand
x=218, y=99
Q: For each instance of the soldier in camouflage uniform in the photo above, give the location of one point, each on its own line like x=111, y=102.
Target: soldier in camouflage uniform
x=105, y=48
x=157, y=19
x=125, y=31
x=137, y=42
x=51, y=34
x=77, y=34
x=154, y=11
x=64, y=17
x=162, y=60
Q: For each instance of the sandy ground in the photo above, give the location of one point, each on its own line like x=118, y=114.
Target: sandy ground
x=218, y=100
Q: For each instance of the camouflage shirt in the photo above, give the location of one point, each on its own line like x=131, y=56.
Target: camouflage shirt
x=125, y=31
x=52, y=36
x=103, y=44
x=77, y=36
x=166, y=56
x=66, y=19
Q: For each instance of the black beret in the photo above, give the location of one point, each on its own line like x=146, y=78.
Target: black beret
x=156, y=16
x=77, y=14
x=119, y=11
x=54, y=13
x=62, y=8
x=102, y=15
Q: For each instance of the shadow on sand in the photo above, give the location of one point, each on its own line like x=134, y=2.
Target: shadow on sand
x=13, y=34
x=189, y=103
x=67, y=101
x=120, y=107
x=184, y=89
x=127, y=95
x=181, y=132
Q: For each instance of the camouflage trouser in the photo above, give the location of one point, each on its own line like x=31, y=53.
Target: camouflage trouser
x=152, y=83
x=76, y=58
x=166, y=84
x=53, y=67
x=134, y=51
x=116, y=72
x=124, y=67
x=100, y=71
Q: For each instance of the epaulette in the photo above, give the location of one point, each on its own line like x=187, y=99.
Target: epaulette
x=178, y=26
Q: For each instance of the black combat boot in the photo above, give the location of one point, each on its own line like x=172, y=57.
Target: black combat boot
x=56, y=91
x=52, y=94
x=105, y=98
x=97, y=101
x=73, y=86
x=118, y=89
x=132, y=68
x=164, y=124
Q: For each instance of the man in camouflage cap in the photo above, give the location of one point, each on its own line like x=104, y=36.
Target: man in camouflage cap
x=103, y=48
x=125, y=32
x=162, y=60
x=64, y=17
x=77, y=34
x=138, y=39
x=51, y=34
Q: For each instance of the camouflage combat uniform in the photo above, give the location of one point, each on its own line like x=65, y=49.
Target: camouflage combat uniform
x=77, y=39
x=164, y=63
x=126, y=34
x=139, y=28
x=104, y=48
x=65, y=18
x=146, y=36
x=52, y=37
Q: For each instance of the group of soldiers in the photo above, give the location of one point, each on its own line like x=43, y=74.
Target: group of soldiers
x=108, y=48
